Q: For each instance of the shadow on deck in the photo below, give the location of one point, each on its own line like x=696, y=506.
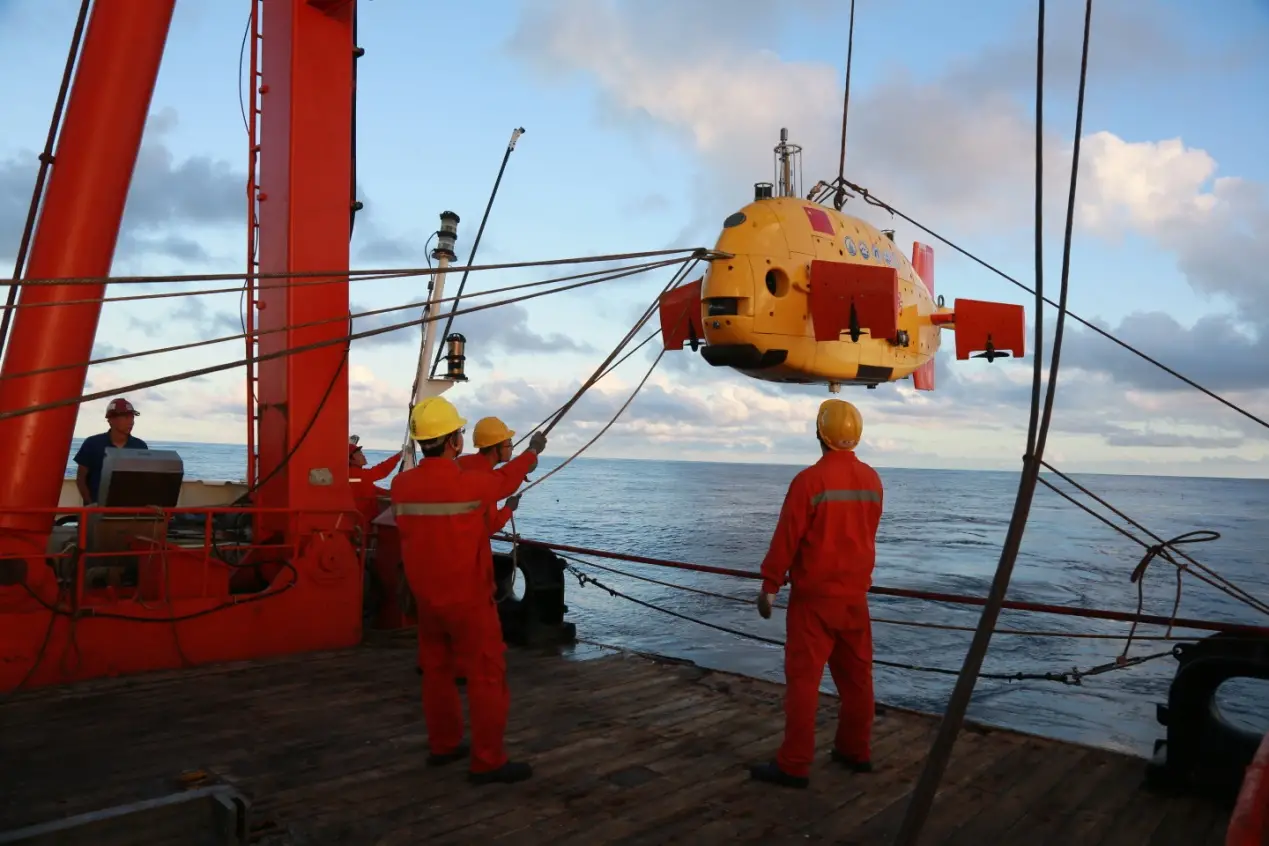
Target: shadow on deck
x=330, y=747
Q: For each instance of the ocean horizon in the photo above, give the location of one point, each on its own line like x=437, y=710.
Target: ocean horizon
x=203, y=448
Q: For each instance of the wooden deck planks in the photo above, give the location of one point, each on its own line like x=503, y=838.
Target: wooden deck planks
x=625, y=750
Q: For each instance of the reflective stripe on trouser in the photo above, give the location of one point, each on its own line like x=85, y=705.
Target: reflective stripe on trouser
x=820, y=631
x=434, y=509
x=466, y=638
x=862, y=495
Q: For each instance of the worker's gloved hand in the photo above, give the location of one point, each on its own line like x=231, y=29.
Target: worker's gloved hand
x=764, y=604
x=513, y=502
x=537, y=442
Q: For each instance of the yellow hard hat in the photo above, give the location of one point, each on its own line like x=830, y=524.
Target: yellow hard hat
x=490, y=431
x=839, y=424
x=434, y=418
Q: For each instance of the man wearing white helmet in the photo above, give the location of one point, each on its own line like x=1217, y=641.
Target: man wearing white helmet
x=120, y=416
x=825, y=546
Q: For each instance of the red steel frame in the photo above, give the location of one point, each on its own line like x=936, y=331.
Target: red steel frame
x=78, y=228
x=304, y=514
x=253, y=231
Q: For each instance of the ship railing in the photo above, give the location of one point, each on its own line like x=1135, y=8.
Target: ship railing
x=103, y=555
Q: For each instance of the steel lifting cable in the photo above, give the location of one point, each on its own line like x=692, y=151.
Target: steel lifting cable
x=923, y=793
x=1074, y=676
x=342, y=339
x=282, y=280
x=1225, y=628
x=1161, y=548
x=606, y=366
x=1224, y=584
x=349, y=273
x=600, y=276
x=948, y=627
x=677, y=278
x=839, y=198
x=46, y=161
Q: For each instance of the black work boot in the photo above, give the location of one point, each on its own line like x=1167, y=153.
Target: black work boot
x=852, y=764
x=772, y=774
x=508, y=773
x=459, y=753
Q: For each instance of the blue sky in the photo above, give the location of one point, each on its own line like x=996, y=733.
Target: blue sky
x=647, y=123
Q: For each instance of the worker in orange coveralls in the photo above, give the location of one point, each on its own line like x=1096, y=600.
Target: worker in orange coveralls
x=365, y=492
x=442, y=513
x=493, y=440
x=825, y=544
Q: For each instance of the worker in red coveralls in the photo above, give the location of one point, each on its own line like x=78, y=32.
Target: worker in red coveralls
x=492, y=439
x=362, y=478
x=825, y=545
x=442, y=514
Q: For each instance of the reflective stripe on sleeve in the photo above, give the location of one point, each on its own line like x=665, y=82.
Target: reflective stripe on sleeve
x=434, y=509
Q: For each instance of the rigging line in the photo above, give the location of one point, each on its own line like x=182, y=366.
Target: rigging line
x=869, y=198
x=329, y=320
x=1038, y=341
x=1072, y=677
x=955, y=599
x=480, y=231
x=647, y=314
x=610, y=369
x=380, y=277
x=600, y=433
x=289, y=351
x=1230, y=589
x=886, y=620
x=242, y=56
x=46, y=159
x=839, y=199
x=922, y=797
x=555, y=416
x=312, y=421
x=600, y=373
x=350, y=273
x=1198, y=564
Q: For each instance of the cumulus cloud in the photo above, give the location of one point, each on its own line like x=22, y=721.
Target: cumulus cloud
x=167, y=198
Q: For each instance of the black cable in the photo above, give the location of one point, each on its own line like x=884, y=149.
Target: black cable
x=244, y=499
x=46, y=161
x=839, y=199
x=355, y=205
x=480, y=231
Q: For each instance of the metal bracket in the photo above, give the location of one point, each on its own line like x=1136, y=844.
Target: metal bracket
x=208, y=816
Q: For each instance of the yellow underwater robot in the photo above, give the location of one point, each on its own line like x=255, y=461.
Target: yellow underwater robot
x=809, y=295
